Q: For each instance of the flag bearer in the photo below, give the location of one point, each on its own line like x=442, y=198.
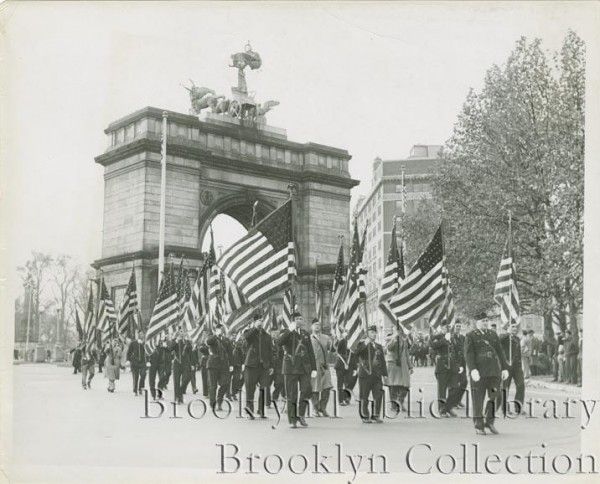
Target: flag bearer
x=257, y=365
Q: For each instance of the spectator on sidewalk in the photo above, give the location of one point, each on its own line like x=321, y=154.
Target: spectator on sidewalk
x=560, y=363
x=571, y=352
x=526, y=353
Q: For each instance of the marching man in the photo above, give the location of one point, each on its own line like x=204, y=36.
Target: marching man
x=487, y=365
x=371, y=370
x=321, y=383
x=299, y=366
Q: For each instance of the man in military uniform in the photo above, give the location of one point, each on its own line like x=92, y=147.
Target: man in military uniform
x=459, y=383
x=512, y=351
x=136, y=355
x=371, y=370
x=487, y=365
x=88, y=363
x=237, y=375
x=159, y=359
x=277, y=362
x=181, y=352
x=445, y=368
x=257, y=365
x=219, y=366
x=299, y=367
x=344, y=367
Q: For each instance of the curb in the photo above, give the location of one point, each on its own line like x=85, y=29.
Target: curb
x=534, y=383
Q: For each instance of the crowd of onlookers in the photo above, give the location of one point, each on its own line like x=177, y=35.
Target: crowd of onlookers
x=558, y=354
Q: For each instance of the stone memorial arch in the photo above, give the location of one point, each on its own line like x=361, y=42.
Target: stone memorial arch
x=220, y=164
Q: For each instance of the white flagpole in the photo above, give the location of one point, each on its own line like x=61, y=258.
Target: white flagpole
x=163, y=195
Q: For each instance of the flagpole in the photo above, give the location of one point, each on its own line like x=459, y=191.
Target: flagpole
x=163, y=195
x=510, y=294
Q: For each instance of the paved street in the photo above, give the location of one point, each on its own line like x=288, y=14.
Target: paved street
x=56, y=423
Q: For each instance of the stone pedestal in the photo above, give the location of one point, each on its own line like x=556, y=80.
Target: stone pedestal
x=40, y=354
x=58, y=354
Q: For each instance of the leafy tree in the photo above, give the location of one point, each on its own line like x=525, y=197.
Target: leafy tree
x=518, y=146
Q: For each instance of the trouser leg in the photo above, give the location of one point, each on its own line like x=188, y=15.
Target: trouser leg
x=250, y=381
x=223, y=380
x=478, y=396
x=377, y=391
x=177, y=383
x=291, y=392
x=84, y=375
x=305, y=391
x=492, y=386
x=364, y=390
x=442, y=391
x=339, y=380
x=193, y=380
x=520, y=386
x=402, y=392
x=213, y=381
x=324, y=400
x=152, y=381
x=264, y=396
x=205, y=382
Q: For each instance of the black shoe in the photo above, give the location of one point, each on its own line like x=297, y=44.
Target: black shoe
x=460, y=405
x=343, y=404
x=135, y=393
x=263, y=416
x=492, y=429
x=366, y=420
x=480, y=431
x=451, y=413
x=84, y=387
x=251, y=416
x=293, y=425
x=324, y=413
x=302, y=422
x=195, y=391
x=376, y=420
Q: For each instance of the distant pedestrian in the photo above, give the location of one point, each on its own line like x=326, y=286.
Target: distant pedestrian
x=526, y=354
x=113, y=364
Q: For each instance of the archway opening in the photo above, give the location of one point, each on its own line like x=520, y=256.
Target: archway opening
x=227, y=230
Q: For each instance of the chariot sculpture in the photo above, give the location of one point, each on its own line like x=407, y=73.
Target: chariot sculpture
x=242, y=104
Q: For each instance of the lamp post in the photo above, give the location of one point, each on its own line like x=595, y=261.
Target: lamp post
x=29, y=287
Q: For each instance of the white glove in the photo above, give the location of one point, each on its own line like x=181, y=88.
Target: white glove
x=230, y=369
x=475, y=374
x=148, y=364
x=355, y=372
x=293, y=326
x=270, y=371
x=460, y=370
x=243, y=367
x=447, y=336
x=313, y=374
x=504, y=374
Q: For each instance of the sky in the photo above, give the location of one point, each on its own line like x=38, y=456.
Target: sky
x=373, y=79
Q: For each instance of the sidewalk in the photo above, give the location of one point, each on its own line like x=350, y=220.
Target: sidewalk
x=545, y=381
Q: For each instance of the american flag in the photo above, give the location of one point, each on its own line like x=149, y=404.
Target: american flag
x=184, y=292
x=353, y=322
x=129, y=306
x=445, y=311
x=318, y=298
x=196, y=330
x=80, y=333
x=289, y=306
x=505, y=292
x=191, y=309
x=263, y=263
x=165, y=312
x=557, y=316
x=423, y=287
x=362, y=272
x=239, y=319
x=107, y=319
x=393, y=274
x=338, y=285
x=90, y=328
x=232, y=297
